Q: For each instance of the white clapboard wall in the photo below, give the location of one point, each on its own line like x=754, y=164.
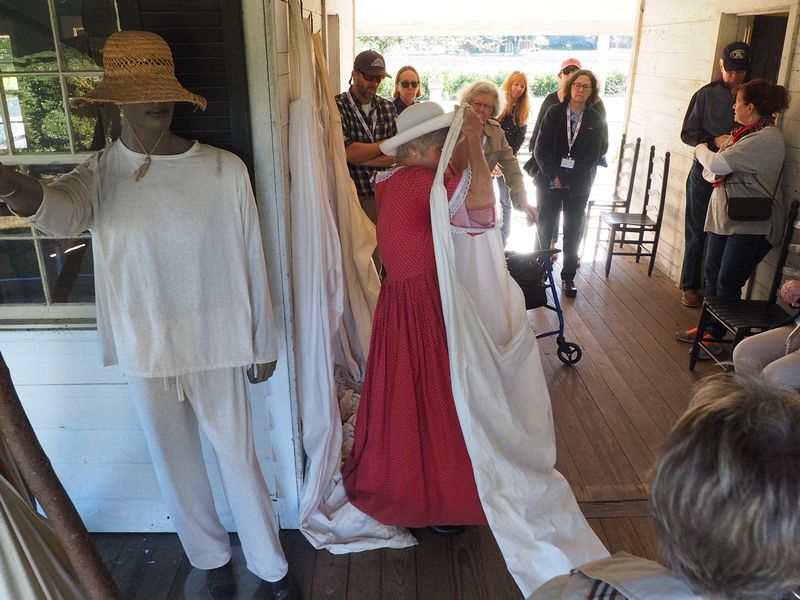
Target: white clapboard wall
x=87, y=425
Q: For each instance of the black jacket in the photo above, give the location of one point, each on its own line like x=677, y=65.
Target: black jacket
x=710, y=114
x=551, y=147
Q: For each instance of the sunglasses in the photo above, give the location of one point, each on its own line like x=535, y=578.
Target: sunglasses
x=569, y=70
x=371, y=78
x=411, y=84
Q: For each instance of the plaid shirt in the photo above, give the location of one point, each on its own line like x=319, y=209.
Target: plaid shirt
x=381, y=119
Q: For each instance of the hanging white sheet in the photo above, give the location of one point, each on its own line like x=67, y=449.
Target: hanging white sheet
x=334, y=298
x=503, y=404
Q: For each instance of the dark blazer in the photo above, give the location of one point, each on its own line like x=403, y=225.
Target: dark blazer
x=551, y=146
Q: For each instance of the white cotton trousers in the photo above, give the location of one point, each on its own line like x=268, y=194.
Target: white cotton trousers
x=172, y=411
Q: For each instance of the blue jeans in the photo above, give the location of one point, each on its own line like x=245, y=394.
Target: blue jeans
x=730, y=259
x=505, y=204
x=698, y=193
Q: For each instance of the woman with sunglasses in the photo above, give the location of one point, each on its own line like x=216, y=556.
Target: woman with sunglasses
x=569, y=144
x=407, y=88
x=514, y=123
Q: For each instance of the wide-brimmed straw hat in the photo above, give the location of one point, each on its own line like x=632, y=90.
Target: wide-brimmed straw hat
x=138, y=68
x=416, y=120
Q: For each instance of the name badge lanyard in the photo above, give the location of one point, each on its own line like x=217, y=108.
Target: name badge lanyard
x=572, y=135
x=360, y=116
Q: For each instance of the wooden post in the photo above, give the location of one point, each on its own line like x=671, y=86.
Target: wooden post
x=39, y=476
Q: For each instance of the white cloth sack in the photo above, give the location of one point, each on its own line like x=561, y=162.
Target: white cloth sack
x=503, y=404
x=323, y=345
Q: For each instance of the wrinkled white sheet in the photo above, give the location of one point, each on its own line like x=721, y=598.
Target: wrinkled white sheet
x=335, y=288
x=503, y=404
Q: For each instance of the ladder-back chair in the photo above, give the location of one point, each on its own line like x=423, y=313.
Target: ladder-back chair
x=746, y=317
x=627, y=228
x=624, y=179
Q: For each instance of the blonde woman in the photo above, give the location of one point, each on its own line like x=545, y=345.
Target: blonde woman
x=514, y=123
x=407, y=88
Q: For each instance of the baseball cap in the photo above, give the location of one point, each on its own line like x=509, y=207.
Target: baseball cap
x=570, y=62
x=371, y=63
x=736, y=57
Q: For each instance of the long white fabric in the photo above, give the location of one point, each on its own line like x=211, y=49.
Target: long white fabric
x=503, y=404
x=33, y=563
x=333, y=304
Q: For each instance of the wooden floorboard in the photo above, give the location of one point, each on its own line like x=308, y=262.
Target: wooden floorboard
x=612, y=411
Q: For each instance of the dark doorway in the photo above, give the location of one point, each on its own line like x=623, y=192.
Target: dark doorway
x=766, y=45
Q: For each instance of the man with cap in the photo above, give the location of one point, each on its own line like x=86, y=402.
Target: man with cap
x=709, y=119
x=367, y=120
x=187, y=324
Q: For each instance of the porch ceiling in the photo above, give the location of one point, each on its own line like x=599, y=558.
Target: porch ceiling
x=511, y=17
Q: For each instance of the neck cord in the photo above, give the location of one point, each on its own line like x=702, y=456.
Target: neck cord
x=142, y=171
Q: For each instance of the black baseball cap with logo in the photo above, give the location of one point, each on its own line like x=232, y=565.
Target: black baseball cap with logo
x=736, y=57
x=370, y=63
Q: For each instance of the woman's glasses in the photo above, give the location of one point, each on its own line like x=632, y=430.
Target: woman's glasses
x=411, y=84
x=582, y=86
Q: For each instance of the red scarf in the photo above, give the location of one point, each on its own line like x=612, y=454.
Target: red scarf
x=743, y=131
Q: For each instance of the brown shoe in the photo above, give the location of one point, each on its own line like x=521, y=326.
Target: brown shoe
x=691, y=298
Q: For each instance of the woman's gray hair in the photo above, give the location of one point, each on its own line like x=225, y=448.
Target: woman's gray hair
x=725, y=494
x=422, y=144
x=467, y=94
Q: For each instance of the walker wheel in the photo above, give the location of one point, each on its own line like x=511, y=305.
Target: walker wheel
x=569, y=353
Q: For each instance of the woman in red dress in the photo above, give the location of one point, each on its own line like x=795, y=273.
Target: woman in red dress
x=409, y=465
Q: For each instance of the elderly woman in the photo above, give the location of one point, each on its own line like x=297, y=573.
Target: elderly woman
x=724, y=499
x=409, y=464
x=775, y=353
x=407, y=88
x=514, y=123
x=484, y=98
x=568, y=146
x=746, y=213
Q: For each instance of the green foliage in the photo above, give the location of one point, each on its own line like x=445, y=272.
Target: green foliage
x=616, y=83
x=543, y=84
x=378, y=43
x=43, y=112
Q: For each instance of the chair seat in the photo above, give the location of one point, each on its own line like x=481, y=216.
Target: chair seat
x=613, y=218
x=747, y=314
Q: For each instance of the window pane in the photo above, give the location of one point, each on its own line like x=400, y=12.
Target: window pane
x=20, y=281
x=70, y=270
x=94, y=125
x=84, y=26
x=26, y=38
x=40, y=124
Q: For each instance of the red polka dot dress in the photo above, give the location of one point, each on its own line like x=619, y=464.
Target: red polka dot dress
x=409, y=464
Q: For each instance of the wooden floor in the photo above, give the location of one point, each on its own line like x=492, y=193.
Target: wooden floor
x=612, y=412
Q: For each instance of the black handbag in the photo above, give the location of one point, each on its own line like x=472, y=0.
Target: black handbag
x=746, y=207
x=531, y=276
x=531, y=167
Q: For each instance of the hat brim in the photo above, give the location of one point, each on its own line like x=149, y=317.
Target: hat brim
x=120, y=91
x=736, y=65
x=375, y=73
x=389, y=147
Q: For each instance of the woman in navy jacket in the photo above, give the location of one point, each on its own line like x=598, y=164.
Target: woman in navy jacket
x=567, y=149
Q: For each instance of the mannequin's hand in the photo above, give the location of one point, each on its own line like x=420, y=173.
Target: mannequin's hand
x=261, y=372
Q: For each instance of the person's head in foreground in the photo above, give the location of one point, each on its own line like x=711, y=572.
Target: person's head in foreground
x=726, y=491
x=421, y=133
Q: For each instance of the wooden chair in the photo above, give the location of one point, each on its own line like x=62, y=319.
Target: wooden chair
x=631, y=228
x=745, y=317
x=624, y=180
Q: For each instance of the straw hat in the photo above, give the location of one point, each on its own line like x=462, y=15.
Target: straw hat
x=139, y=68
x=416, y=120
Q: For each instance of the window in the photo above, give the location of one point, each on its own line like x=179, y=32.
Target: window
x=50, y=53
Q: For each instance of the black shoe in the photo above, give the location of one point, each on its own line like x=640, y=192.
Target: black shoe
x=570, y=291
x=283, y=589
x=220, y=582
x=448, y=529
